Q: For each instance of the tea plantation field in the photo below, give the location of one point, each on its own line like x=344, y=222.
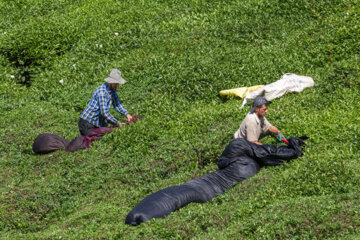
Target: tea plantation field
x=176, y=56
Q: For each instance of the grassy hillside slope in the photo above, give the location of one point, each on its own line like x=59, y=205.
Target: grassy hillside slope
x=177, y=56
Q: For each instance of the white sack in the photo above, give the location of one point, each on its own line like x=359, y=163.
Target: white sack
x=289, y=82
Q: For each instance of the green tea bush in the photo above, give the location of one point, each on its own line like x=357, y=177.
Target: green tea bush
x=176, y=56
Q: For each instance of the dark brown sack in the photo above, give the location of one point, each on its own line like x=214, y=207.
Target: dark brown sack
x=76, y=145
x=46, y=142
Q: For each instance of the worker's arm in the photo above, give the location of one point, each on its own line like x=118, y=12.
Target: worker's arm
x=274, y=130
x=258, y=143
x=119, y=108
x=269, y=127
x=251, y=134
x=104, y=105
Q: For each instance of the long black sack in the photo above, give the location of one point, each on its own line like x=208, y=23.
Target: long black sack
x=240, y=160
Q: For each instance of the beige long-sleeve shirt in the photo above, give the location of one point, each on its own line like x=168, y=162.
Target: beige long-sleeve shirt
x=251, y=127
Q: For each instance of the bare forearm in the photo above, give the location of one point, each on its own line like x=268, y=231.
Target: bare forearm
x=274, y=130
x=258, y=143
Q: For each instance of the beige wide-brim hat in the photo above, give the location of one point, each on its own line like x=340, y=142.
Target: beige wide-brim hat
x=115, y=77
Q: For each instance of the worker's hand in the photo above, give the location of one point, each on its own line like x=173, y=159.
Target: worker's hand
x=129, y=118
x=119, y=125
x=274, y=130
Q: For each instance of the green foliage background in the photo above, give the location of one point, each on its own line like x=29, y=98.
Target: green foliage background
x=177, y=56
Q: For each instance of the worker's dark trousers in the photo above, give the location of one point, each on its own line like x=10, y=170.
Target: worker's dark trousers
x=85, y=127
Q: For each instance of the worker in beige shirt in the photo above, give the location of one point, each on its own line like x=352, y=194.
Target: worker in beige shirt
x=255, y=122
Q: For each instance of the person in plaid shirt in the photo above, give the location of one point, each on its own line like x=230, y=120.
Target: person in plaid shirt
x=97, y=114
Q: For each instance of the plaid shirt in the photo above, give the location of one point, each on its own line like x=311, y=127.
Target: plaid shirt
x=97, y=110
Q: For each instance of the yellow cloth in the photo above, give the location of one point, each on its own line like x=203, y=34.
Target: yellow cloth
x=240, y=92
